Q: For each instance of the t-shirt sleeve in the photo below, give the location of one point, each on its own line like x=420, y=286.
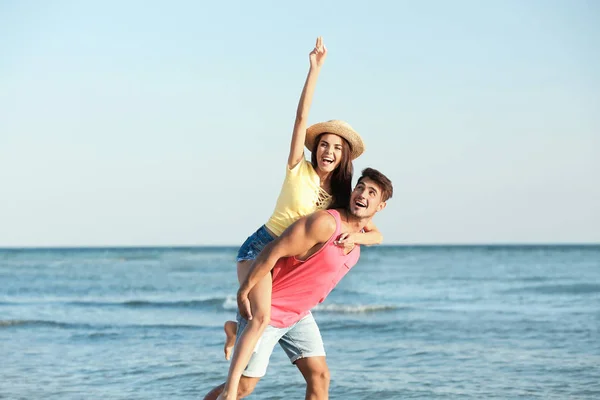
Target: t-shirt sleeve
x=299, y=169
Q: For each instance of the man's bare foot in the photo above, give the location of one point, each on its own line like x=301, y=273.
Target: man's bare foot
x=230, y=329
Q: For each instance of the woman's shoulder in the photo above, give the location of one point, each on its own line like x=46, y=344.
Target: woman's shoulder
x=304, y=168
x=302, y=164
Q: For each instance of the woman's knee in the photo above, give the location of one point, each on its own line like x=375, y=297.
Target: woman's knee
x=260, y=319
x=261, y=313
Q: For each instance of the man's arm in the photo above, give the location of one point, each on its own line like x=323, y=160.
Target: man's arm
x=296, y=240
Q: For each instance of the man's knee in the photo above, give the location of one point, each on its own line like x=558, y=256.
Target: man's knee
x=315, y=372
x=324, y=377
x=246, y=386
x=320, y=376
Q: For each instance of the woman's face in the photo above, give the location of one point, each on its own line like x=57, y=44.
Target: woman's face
x=329, y=152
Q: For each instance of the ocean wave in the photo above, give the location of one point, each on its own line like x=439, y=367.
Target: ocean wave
x=223, y=303
x=574, y=288
x=173, y=304
x=70, y=325
x=215, y=302
x=370, y=326
x=33, y=322
x=354, y=308
x=230, y=303
x=95, y=335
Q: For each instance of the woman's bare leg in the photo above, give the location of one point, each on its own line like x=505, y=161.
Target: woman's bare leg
x=260, y=304
x=230, y=327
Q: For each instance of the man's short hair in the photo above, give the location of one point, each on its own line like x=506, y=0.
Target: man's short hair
x=381, y=180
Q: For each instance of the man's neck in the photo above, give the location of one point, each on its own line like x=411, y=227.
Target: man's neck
x=354, y=224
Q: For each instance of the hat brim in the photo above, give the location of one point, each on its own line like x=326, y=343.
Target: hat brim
x=340, y=128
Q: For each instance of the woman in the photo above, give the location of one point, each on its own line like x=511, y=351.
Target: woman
x=324, y=182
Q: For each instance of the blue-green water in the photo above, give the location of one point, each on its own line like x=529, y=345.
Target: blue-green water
x=408, y=322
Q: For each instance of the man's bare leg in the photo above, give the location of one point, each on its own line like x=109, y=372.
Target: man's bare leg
x=316, y=375
x=213, y=394
x=245, y=388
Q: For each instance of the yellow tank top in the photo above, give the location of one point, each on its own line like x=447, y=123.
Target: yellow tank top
x=301, y=194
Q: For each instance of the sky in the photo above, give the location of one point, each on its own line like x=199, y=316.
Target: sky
x=167, y=123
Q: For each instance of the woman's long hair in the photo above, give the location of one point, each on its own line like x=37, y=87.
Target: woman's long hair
x=341, y=177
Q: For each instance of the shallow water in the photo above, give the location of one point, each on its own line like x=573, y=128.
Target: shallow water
x=408, y=322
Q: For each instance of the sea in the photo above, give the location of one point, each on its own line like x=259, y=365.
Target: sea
x=408, y=322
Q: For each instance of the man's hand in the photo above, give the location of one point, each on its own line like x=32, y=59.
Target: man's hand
x=317, y=56
x=243, y=303
x=346, y=240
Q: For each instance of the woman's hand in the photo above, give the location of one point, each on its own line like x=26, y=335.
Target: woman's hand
x=317, y=58
x=318, y=55
x=346, y=241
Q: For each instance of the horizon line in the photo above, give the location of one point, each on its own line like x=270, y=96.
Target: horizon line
x=224, y=246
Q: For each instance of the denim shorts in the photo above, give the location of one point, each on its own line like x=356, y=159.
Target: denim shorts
x=301, y=340
x=254, y=244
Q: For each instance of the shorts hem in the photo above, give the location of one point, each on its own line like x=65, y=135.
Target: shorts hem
x=253, y=375
x=307, y=355
x=248, y=258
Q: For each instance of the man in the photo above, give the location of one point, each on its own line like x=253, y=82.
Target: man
x=305, y=265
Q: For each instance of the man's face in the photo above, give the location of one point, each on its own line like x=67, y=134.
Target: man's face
x=365, y=199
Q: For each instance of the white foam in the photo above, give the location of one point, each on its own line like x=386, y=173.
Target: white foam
x=230, y=303
x=353, y=308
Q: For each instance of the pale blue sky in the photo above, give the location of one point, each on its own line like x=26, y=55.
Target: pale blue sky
x=168, y=123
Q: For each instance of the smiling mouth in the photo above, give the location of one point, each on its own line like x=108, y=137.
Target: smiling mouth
x=360, y=204
x=327, y=160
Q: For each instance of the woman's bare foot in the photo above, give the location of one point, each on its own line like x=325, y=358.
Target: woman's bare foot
x=230, y=329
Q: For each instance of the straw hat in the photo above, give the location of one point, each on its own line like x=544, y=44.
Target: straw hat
x=337, y=127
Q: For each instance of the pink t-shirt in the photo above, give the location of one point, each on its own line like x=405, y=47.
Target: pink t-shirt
x=298, y=286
